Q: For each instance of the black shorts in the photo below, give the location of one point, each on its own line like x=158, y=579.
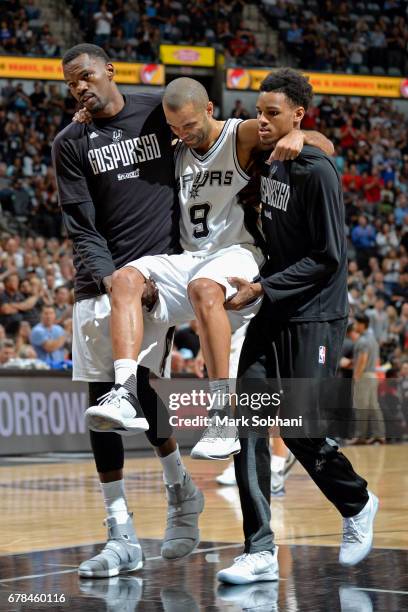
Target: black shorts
x=298, y=360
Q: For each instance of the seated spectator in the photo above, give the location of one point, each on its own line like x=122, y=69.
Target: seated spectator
x=372, y=185
x=62, y=305
x=400, y=293
x=31, y=10
x=294, y=38
x=239, y=111
x=401, y=208
x=348, y=134
x=363, y=236
x=357, y=49
x=186, y=337
x=12, y=304
x=23, y=336
x=7, y=351
x=48, y=339
x=352, y=180
x=386, y=240
x=103, y=25
x=33, y=289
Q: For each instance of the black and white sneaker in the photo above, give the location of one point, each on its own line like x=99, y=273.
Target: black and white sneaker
x=118, y=411
x=219, y=440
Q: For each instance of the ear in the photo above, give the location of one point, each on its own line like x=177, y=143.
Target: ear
x=298, y=114
x=210, y=109
x=110, y=70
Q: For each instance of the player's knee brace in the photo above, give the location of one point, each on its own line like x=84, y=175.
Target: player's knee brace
x=154, y=410
x=107, y=447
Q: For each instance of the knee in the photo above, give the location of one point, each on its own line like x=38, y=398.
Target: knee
x=205, y=294
x=128, y=281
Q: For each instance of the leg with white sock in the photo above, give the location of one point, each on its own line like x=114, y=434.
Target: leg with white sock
x=122, y=552
x=185, y=504
x=185, y=500
x=208, y=299
x=120, y=410
x=278, y=459
x=114, y=498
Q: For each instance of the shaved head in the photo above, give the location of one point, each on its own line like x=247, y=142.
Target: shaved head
x=184, y=91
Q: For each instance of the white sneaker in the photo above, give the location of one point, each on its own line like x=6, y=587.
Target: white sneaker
x=227, y=477
x=118, y=411
x=252, y=568
x=218, y=441
x=358, y=533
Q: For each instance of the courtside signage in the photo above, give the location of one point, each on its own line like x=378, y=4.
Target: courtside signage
x=334, y=84
x=187, y=56
x=51, y=70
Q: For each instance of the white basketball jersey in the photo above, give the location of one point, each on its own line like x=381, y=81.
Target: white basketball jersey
x=211, y=218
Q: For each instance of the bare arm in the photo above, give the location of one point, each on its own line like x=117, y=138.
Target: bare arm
x=6, y=309
x=285, y=149
x=28, y=304
x=317, y=139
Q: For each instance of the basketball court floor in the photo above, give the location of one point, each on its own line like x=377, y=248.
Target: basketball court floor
x=51, y=519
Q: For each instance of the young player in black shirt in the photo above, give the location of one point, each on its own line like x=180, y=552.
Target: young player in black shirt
x=299, y=331
x=117, y=193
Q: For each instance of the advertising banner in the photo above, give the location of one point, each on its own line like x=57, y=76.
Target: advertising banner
x=325, y=83
x=51, y=70
x=187, y=56
x=44, y=413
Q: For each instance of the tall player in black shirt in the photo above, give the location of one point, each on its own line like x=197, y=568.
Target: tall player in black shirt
x=117, y=193
x=299, y=331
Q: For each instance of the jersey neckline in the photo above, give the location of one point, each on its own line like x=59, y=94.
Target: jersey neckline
x=214, y=146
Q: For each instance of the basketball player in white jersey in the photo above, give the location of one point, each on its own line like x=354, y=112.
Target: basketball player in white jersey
x=211, y=160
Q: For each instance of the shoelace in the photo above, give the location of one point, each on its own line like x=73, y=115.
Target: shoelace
x=112, y=397
x=213, y=432
x=250, y=560
x=351, y=531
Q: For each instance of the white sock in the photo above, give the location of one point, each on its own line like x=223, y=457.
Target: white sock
x=115, y=500
x=277, y=463
x=125, y=374
x=219, y=388
x=173, y=468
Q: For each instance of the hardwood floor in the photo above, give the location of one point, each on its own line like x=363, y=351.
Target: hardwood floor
x=59, y=505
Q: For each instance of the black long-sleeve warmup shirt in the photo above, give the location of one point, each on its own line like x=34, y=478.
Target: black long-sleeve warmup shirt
x=305, y=276
x=117, y=190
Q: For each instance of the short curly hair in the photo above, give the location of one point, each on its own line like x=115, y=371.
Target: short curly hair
x=290, y=82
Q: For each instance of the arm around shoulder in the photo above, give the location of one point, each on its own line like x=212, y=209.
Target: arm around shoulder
x=319, y=140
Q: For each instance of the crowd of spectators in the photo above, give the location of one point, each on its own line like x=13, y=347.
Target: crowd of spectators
x=23, y=33
x=133, y=30
x=346, y=36
x=371, y=141
x=35, y=260
x=36, y=281
x=28, y=125
x=36, y=271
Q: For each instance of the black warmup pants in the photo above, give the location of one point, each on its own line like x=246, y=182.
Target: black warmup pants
x=274, y=350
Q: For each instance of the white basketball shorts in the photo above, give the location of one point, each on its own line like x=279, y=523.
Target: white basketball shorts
x=92, y=347
x=173, y=273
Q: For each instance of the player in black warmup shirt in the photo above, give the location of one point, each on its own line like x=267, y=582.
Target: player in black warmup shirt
x=116, y=188
x=298, y=333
